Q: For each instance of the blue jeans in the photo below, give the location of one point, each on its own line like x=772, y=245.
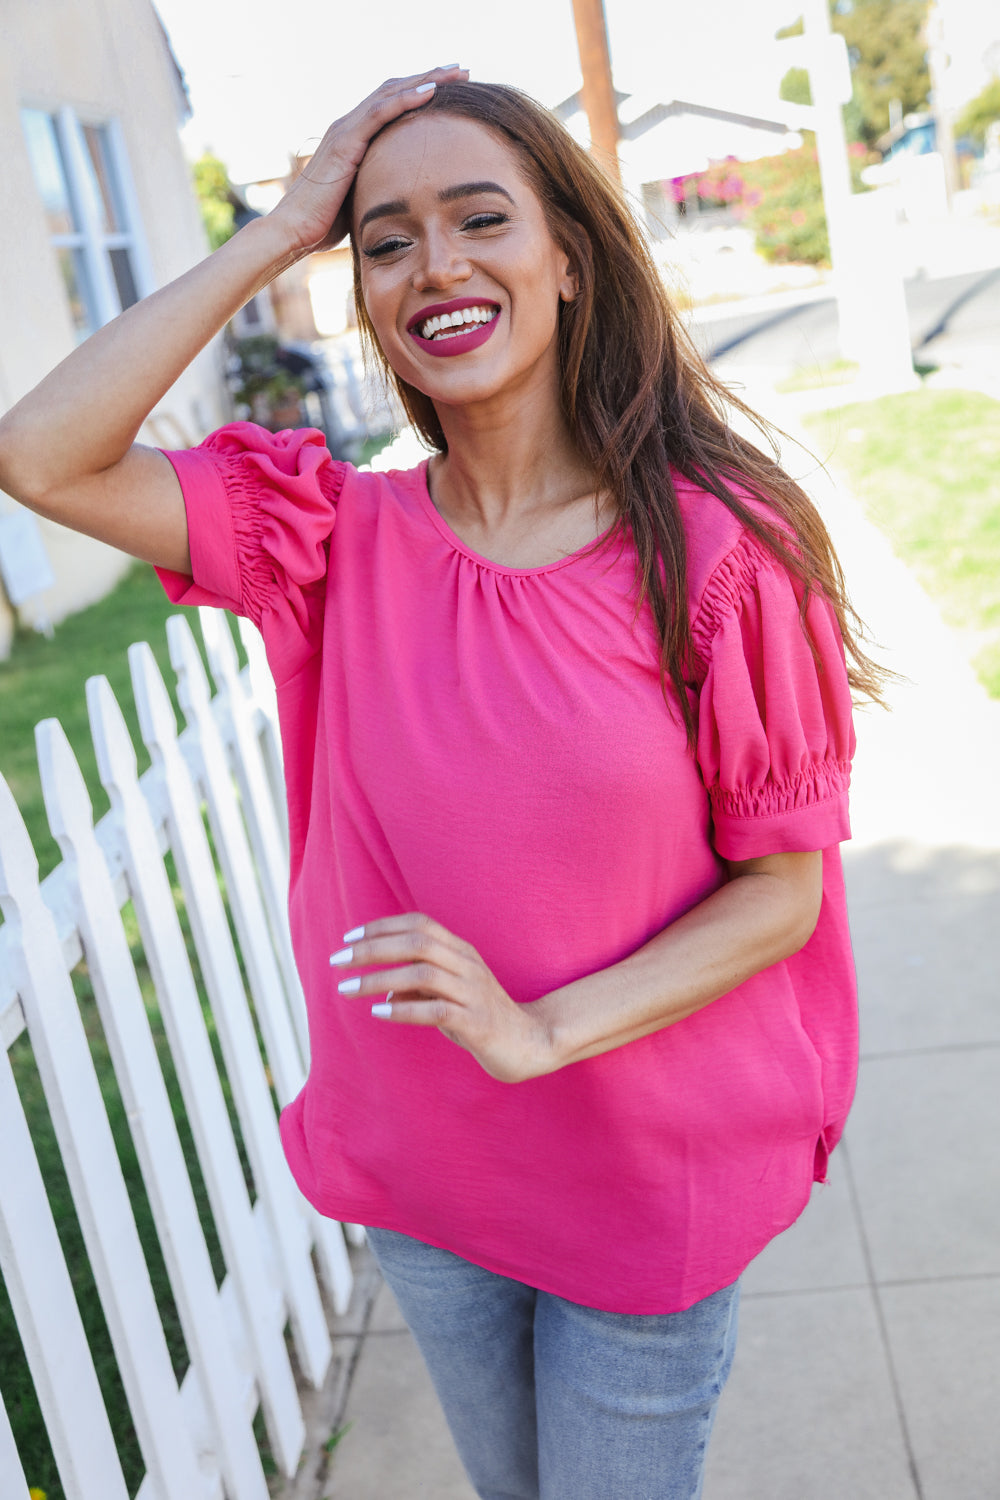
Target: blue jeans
x=548, y=1400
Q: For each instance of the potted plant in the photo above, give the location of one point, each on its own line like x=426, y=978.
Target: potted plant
x=271, y=393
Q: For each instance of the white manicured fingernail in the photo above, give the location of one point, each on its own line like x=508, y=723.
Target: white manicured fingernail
x=354, y=934
x=343, y=957
x=382, y=1012
x=349, y=986
x=424, y=88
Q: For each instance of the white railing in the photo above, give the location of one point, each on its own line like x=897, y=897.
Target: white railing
x=197, y=1436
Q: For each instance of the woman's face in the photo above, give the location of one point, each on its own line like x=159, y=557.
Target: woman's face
x=460, y=274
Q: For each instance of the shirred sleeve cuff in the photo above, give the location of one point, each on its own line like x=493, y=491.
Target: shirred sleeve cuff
x=214, y=571
x=809, y=812
x=775, y=732
x=261, y=508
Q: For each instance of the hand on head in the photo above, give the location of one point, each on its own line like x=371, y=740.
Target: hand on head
x=313, y=205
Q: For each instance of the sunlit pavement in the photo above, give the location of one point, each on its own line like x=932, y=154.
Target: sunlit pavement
x=867, y=1363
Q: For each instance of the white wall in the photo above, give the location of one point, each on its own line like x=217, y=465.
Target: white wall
x=106, y=59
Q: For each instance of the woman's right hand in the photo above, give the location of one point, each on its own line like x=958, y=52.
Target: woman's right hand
x=312, y=209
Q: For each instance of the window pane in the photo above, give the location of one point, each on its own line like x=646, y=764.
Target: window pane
x=103, y=182
x=121, y=270
x=49, y=169
x=74, y=275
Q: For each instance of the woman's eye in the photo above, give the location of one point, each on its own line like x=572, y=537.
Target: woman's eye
x=485, y=220
x=385, y=247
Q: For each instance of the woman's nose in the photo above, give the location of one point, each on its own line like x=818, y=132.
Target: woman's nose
x=440, y=263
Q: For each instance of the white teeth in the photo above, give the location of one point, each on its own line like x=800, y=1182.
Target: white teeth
x=438, y=326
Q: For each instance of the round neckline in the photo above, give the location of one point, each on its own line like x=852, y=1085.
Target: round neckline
x=457, y=544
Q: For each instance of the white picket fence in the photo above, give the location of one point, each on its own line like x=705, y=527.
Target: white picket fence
x=197, y=1437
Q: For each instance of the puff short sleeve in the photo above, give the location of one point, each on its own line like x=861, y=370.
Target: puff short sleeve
x=261, y=509
x=775, y=737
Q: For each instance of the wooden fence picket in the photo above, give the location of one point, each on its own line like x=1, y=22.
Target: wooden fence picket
x=256, y=773
x=261, y=1305
x=100, y=1196
x=258, y=765
x=206, y=756
x=266, y=699
x=126, y=1026
x=221, y=973
x=48, y=1318
x=13, y=1484
x=236, y=712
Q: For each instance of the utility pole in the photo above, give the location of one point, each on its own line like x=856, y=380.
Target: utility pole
x=830, y=83
x=598, y=89
x=938, y=63
x=871, y=306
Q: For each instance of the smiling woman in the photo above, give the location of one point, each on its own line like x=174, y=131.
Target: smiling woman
x=567, y=728
x=448, y=265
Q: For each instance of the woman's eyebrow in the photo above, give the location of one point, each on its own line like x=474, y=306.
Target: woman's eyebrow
x=446, y=195
x=383, y=210
x=469, y=190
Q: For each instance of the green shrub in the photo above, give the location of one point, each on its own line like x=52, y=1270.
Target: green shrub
x=781, y=199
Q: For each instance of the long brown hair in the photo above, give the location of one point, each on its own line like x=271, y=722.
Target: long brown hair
x=637, y=395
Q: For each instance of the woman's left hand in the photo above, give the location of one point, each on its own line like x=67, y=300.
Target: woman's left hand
x=436, y=979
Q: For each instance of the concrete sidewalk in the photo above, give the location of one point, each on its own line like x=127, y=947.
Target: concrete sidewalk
x=867, y=1365
x=867, y=1368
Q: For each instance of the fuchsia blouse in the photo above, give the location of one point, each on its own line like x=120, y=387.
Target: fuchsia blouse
x=490, y=745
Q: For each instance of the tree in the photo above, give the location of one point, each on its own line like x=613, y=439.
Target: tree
x=214, y=190
x=888, y=55
x=980, y=113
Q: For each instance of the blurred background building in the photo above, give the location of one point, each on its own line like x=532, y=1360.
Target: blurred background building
x=98, y=211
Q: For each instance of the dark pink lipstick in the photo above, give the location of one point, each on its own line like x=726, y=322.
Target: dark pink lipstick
x=456, y=343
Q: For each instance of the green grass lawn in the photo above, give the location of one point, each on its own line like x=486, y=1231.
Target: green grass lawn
x=926, y=467
x=44, y=679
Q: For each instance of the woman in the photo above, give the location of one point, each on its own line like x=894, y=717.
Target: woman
x=567, y=734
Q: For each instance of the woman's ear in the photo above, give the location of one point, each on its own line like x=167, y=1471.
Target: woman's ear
x=569, y=288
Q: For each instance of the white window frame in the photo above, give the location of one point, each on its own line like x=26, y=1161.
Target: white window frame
x=100, y=295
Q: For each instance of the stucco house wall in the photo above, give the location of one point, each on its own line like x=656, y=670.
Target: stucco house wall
x=108, y=62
